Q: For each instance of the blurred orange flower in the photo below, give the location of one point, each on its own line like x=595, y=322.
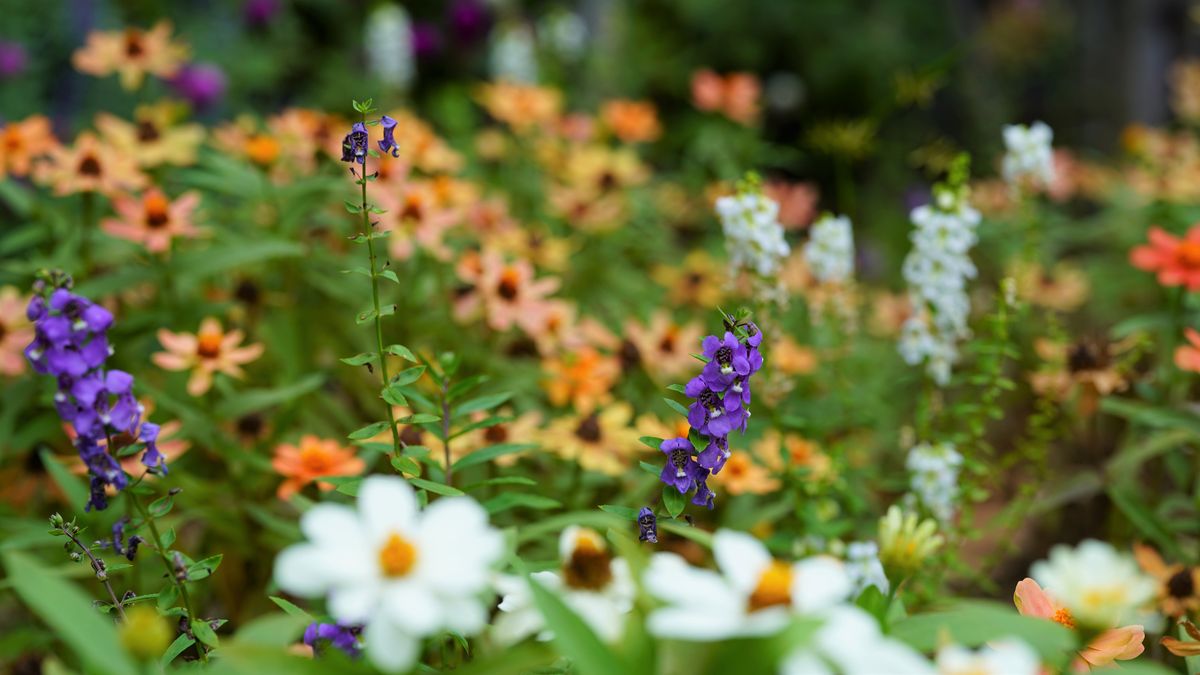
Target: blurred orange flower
x=153, y=220
x=1063, y=287
x=209, y=351
x=602, y=442
x=1187, y=357
x=524, y=428
x=696, y=281
x=741, y=475
x=89, y=165
x=1175, y=260
x=416, y=219
x=665, y=346
x=507, y=292
x=734, y=95
x=797, y=202
x=631, y=121
x=788, y=452
x=153, y=138
x=523, y=107
x=313, y=459
x=21, y=142
x=15, y=331
x=583, y=378
x=131, y=53
x=791, y=358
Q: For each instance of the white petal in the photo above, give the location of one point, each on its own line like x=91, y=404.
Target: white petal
x=818, y=583
x=512, y=627
x=412, y=607
x=354, y=604
x=687, y=624
x=456, y=546
x=741, y=558
x=332, y=524
x=310, y=569
x=386, y=504
x=671, y=579
x=804, y=662
x=465, y=615
x=602, y=615
x=388, y=647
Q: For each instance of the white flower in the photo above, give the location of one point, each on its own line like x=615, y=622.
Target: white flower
x=850, y=643
x=598, y=587
x=864, y=568
x=1029, y=155
x=1098, y=585
x=513, y=55
x=753, y=234
x=1009, y=656
x=403, y=573
x=934, y=469
x=389, y=46
x=752, y=595
x=830, y=250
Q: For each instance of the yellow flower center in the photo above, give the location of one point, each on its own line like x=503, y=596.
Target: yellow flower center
x=1061, y=615
x=774, y=587
x=397, y=556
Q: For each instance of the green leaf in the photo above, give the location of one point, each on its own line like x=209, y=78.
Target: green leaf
x=161, y=506
x=511, y=500
x=401, y=351
x=201, y=264
x=368, y=431
x=458, y=389
x=202, y=569
x=651, y=442
x=482, y=403
x=167, y=597
x=573, y=637
x=407, y=465
x=419, y=418
x=673, y=500
x=71, y=485
x=393, y=395
x=975, y=622
x=484, y=455
x=625, y=512
x=676, y=406
x=1145, y=520
x=205, y=633
x=501, y=480
x=437, y=488
x=1151, y=415
x=359, y=359
x=291, y=609
x=279, y=630
x=177, y=647
x=68, y=611
x=407, y=376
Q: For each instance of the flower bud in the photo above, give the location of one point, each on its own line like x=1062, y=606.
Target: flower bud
x=145, y=634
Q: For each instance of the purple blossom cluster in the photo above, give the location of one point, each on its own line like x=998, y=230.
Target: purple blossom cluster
x=71, y=344
x=343, y=638
x=720, y=404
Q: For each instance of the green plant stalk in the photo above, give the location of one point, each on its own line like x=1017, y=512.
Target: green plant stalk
x=446, y=430
x=170, y=568
x=383, y=369
x=97, y=566
x=87, y=224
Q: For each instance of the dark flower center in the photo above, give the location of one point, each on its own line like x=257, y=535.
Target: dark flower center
x=247, y=292
x=588, y=568
x=680, y=457
x=463, y=290
x=724, y=356
x=3, y=332
x=629, y=355
x=89, y=166
x=667, y=344
x=508, y=288
x=412, y=208
x=589, y=429
x=496, y=434
x=1181, y=584
x=694, y=278
x=208, y=345
x=607, y=181
x=147, y=132
x=410, y=436
x=133, y=44
x=709, y=400
x=250, y=425
x=156, y=211
x=1085, y=356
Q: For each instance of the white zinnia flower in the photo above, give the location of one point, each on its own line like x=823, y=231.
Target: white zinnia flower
x=402, y=573
x=1028, y=154
x=752, y=595
x=1009, y=656
x=830, y=250
x=1099, y=585
x=850, y=643
x=598, y=587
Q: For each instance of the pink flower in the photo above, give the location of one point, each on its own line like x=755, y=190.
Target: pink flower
x=209, y=351
x=506, y=291
x=1187, y=357
x=1114, y=644
x=153, y=220
x=15, y=331
x=1175, y=260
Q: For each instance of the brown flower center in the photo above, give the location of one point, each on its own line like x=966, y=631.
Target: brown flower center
x=89, y=166
x=1181, y=584
x=410, y=436
x=509, y=286
x=1085, y=356
x=133, y=43
x=156, y=206
x=496, y=434
x=589, y=429
x=397, y=556
x=589, y=566
x=774, y=587
x=147, y=132
x=208, y=345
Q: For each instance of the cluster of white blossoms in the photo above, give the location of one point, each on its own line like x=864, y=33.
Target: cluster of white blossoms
x=934, y=469
x=937, y=270
x=388, y=45
x=1028, y=157
x=864, y=567
x=753, y=234
x=1100, y=586
x=830, y=249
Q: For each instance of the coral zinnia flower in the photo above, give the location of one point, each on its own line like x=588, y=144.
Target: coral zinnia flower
x=89, y=165
x=152, y=138
x=507, y=292
x=521, y=106
x=313, y=459
x=664, y=346
x=1175, y=260
x=791, y=453
x=1187, y=357
x=416, y=218
x=602, y=442
x=631, y=121
x=209, y=351
x=15, y=331
x=132, y=54
x=1063, y=287
x=735, y=95
x=153, y=220
x=742, y=475
x=21, y=142
x=524, y=428
x=1178, y=585
x=1114, y=644
x=583, y=378
x=797, y=202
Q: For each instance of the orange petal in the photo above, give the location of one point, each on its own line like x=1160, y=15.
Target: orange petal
x=1031, y=600
x=1115, y=644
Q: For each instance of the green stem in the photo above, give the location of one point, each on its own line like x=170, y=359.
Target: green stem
x=98, y=567
x=169, y=566
x=87, y=224
x=446, y=430
x=383, y=369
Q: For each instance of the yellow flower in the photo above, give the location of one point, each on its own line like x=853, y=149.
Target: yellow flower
x=602, y=442
x=906, y=542
x=741, y=475
x=153, y=138
x=132, y=53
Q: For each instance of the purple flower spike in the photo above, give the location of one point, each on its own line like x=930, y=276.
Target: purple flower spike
x=647, y=525
x=388, y=144
x=354, y=146
x=714, y=455
x=681, y=471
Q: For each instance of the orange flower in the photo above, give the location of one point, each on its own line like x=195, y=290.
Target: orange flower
x=1063, y=287
x=1187, y=357
x=15, y=331
x=735, y=95
x=697, y=281
x=210, y=351
x=90, y=165
x=1114, y=644
x=665, y=346
x=132, y=54
x=523, y=107
x=1088, y=367
x=416, y=218
x=507, y=292
x=602, y=442
x=797, y=202
x=21, y=142
x=1175, y=260
x=152, y=139
x=1178, y=584
x=791, y=358
x=782, y=453
x=153, y=220
x=313, y=459
x=741, y=475
x=583, y=378
x=631, y=121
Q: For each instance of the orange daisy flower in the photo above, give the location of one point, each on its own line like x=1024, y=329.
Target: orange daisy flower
x=664, y=346
x=1175, y=260
x=153, y=220
x=209, y=351
x=416, y=218
x=583, y=378
x=89, y=165
x=313, y=459
x=244, y=138
x=507, y=292
x=697, y=281
x=153, y=138
x=15, y=331
x=132, y=53
x=741, y=475
x=523, y=107
x=797, y=202
x=524, y=428
x=602, y=442
x=21, y=142
x=631, y=121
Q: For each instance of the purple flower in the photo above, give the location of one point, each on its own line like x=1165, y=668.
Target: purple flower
x=714, y=455
x=259, y=13
x=426, y=39
x=727, y=359
x=202, y=84
x=470, y=20
x=681, y=471
x=704, y=496
x=13, y=59
x=388, y=144
x=354, y=146
x=647, y=525
x=344, y=638
x=129, y=550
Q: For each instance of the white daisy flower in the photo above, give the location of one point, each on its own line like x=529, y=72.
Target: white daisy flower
x=850, y=643
x=402, y=573
x=594, y=584
x=1099, y=585
x=752, y=594
x=1009, y=656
